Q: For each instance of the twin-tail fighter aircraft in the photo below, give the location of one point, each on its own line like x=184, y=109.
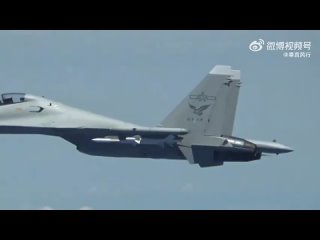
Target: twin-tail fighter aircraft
x=199, y=129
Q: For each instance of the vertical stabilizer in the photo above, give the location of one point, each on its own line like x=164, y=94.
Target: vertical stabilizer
x=210, y=107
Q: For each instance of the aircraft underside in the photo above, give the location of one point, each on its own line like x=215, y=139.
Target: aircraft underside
x=156, y=151
x=158, y=148
x=130, y=150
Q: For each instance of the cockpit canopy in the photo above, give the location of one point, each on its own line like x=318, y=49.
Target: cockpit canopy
x=11, y=98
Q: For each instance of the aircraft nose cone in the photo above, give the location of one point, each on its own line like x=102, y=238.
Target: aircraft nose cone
x=286, y=149
x=290, y=150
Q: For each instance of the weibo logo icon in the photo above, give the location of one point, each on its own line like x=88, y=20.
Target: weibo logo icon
x=256, y=46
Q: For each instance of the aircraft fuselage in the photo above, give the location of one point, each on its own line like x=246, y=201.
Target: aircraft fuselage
x=199, y=129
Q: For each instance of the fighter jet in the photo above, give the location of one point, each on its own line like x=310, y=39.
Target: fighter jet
x=198, y=130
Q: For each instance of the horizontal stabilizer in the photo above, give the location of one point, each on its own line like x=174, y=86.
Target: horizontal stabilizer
x=202, y=155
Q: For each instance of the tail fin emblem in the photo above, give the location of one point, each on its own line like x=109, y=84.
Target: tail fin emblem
x=202, y=97
x=199, y=111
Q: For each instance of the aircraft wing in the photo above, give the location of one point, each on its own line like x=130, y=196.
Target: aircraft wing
x=57, y=131
x=75, y=135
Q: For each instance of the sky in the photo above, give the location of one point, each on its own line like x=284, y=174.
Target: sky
x=139, y=77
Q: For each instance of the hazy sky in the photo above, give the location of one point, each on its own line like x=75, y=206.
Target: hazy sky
x=140, y=76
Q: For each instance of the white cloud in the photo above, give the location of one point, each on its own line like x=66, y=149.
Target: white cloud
x=86, y=208
x=51, y=208
x=46, y=208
